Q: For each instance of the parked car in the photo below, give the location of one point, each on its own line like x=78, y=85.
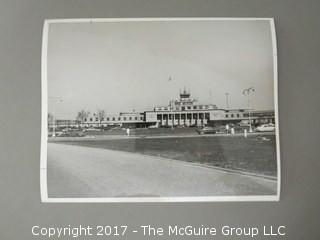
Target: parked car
x=206, y=130
x=244, y=123
x=116, y=128
x=71, y=134
x=58, y=133
x=66, y=129
x=92, y=129
x=266, y=128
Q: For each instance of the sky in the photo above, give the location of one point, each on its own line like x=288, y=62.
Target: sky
x=126, y=66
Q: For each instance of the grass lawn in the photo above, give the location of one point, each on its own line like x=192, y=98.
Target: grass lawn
x=253, y=154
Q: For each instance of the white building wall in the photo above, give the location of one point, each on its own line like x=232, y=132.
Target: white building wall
x=151, y=116
x=109, y=119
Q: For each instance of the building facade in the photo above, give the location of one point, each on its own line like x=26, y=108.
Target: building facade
x=184, y=111
x=123, y=118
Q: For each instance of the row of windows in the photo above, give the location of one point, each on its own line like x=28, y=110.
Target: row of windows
x=252, y=114
x=240, y=110
x=262, y=114
x=183, y=116
x=233, y=115
x=114, y=119
x=186, y=108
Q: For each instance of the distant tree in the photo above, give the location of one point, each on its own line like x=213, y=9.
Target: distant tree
x=50, y=120
x=50, y=117
x=82, y=115
x=101, y=115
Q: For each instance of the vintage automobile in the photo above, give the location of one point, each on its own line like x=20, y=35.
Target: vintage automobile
x=206, y=130
x=71, y=134
x=266, y=128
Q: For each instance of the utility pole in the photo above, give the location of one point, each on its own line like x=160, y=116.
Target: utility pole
x=172, y=114
x=247, y=93
x=171, y=107
x=227, y=100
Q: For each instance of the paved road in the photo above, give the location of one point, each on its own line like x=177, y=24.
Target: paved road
x=76, y=171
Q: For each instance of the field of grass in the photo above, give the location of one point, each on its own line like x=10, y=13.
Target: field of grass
x=254, y=154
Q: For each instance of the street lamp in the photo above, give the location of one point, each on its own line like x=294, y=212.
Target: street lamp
x=247, y=93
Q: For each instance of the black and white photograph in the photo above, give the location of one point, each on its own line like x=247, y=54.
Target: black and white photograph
x=159, y=109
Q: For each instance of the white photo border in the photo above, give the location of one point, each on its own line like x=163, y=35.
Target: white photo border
x=44, y=119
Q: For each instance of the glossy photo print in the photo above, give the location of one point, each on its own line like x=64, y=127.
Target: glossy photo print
x=159, y=110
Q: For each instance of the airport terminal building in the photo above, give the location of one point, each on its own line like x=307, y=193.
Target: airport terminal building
x=184, y=111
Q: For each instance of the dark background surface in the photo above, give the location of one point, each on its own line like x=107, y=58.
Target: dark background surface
x=298, y=37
